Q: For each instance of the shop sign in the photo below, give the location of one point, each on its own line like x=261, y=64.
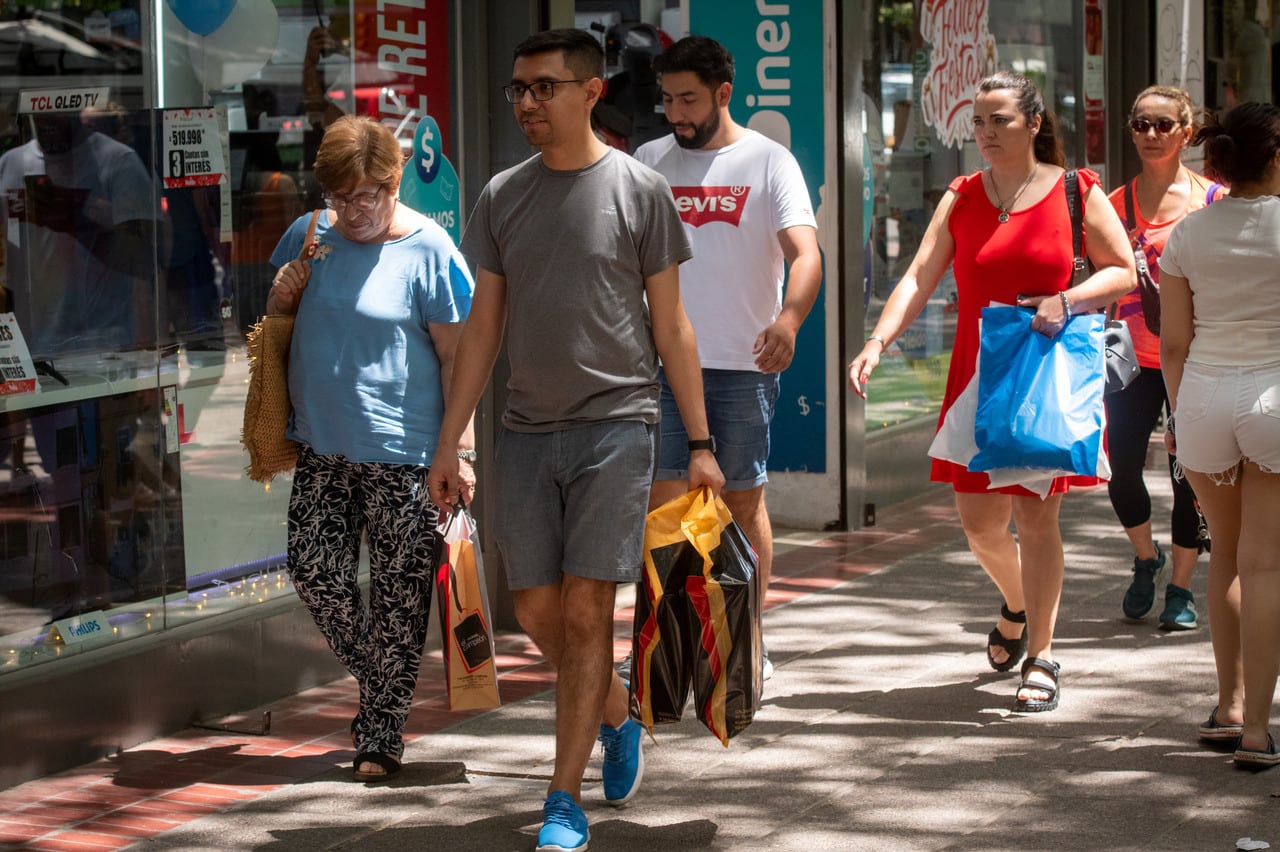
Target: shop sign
x=410, y=40
x=193, y=149
x=79, y=629
x=780, y=52
x=964, y=51
x=63, y=100
x=17, y=371
x=430, y=184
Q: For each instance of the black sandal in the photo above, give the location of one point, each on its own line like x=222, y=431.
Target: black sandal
x=1015, y=648
x=1038, y=705
x=390, y=766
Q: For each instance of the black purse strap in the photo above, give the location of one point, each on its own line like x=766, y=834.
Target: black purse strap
x=1130, y=217
x=1071, y=183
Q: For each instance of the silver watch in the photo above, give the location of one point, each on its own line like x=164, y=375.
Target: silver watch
x=468, y=456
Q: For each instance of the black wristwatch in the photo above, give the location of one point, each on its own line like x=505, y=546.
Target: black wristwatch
x=704, y=444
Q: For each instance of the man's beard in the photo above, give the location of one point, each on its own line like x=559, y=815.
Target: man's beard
x=702, y=133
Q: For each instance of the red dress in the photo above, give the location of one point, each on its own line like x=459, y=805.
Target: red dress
x=1030, y=255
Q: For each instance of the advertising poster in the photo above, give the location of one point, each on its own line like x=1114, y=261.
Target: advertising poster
x=193, y=148
x=963, y=52
x=410, y=42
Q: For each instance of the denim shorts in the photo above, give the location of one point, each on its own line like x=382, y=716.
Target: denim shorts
x=1226, y=414
x=740, y=406
x=573, y=502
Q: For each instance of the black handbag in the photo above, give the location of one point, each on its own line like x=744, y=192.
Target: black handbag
x=1121, y=360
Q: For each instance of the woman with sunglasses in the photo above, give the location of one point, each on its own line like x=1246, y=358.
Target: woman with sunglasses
x=1150, y=205
x=379, y=294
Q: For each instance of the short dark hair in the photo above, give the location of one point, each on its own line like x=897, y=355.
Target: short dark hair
x=1240, y=147
x=582, y=51
x=710, y=60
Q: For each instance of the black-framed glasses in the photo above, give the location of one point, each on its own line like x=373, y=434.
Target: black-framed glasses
x=1163, y=126
x=364, y=202
x=543, y=90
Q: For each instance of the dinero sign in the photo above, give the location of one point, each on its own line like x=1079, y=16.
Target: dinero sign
x=780, y=58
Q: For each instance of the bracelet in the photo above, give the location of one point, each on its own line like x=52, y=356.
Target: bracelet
x=884, y=344
x=1066, y=305
x=468, y=456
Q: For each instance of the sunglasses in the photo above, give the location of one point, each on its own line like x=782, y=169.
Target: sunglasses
x=1163, y=126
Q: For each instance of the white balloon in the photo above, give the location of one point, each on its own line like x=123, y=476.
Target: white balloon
x=239, y=48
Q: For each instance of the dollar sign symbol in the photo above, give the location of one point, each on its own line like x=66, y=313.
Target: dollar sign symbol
x=804, y=406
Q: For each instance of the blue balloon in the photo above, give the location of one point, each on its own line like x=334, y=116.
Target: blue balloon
x=202, y=16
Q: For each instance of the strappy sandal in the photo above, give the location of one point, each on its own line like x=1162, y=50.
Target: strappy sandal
x=390, y=766
x=1038, y=705
x=1015, y=648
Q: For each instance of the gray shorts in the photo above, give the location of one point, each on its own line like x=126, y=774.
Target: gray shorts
x=573, y=502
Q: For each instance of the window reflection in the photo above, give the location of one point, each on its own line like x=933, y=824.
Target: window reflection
x=910, y=169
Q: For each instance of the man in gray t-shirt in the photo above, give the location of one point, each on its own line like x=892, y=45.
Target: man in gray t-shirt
x=576, y=253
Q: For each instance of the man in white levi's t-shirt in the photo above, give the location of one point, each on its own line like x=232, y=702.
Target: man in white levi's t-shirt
x=747, y=213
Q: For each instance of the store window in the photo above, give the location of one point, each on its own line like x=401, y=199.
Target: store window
x=910, y=163
x=151, y=155
x=1243, y=49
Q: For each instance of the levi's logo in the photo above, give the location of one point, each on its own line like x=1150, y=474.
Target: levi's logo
x=699, y=205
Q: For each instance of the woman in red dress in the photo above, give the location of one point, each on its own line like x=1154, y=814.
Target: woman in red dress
x=1007, y=229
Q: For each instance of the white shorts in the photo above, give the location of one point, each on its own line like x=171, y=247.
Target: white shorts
x=1226, y=414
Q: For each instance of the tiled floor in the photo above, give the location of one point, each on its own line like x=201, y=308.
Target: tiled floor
x=164, y=783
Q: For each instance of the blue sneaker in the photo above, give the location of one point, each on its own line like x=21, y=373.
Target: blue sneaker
x=1179, y=609
x=564, y=825
x=623, y=761
x=1141, y=594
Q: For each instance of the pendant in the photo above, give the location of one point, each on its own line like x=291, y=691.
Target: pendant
x=1003, y=217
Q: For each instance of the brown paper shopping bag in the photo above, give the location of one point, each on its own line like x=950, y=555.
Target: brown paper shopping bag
x=462, y=600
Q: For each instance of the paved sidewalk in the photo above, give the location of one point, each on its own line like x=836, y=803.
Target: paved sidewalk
x=883, y=729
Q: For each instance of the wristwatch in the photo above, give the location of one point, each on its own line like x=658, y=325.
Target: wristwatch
x=704, y=444
x=468, y=456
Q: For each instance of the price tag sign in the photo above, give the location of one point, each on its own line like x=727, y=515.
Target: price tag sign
x=17, y=372
x=193, y=149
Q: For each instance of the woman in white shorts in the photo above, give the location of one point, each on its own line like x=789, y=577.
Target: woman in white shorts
x=1220, y=348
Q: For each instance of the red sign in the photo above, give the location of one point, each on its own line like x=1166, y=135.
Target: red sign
x=408, y=43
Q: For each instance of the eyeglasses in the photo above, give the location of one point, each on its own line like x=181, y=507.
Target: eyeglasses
x=1163, y=126
x=363, y=202
x=543, y=90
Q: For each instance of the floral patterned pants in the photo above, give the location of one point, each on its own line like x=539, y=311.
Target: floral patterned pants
x=334, y=506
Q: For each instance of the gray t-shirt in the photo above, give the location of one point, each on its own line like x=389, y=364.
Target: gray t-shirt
x=575, y=248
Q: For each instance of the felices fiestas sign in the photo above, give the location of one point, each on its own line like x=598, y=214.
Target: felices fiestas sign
x=963, y=52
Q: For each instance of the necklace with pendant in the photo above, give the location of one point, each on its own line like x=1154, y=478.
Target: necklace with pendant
x=1005, y=208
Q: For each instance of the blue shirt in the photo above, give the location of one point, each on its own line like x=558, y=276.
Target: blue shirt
x=364, y=377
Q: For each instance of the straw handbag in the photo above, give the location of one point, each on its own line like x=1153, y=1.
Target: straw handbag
x=267, y=406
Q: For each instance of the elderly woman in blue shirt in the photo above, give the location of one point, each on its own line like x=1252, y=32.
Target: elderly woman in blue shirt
x=379, y=294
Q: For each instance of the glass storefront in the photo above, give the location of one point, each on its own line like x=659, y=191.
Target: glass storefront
x=1242, y=41
x=151, y=155
x=912, y=155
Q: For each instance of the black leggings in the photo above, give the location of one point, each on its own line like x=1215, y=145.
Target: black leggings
x=1132, y=415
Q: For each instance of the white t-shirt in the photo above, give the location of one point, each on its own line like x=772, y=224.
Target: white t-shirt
x=733, y=202
x=1229, y=252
